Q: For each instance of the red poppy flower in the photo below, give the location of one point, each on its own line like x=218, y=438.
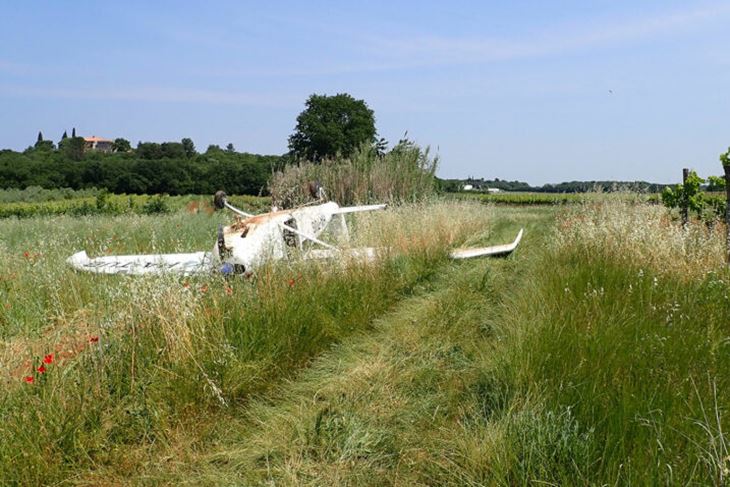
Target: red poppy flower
x=292, y=282
x=42, y=369
x=29, y=379
x=48, y=359
x=26, y=254
x=93, y=339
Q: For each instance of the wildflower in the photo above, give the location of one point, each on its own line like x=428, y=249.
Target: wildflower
x=229, y=290
x=292, y=282
x=204, y=288
x=26, y=254
x=94, y=339
x=29, y=379
x=41, y=369
x=186, y=285
x=48, y=359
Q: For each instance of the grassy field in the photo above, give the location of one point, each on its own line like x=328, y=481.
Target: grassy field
x=598, y=354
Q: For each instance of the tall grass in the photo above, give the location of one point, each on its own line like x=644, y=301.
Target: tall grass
x=621, y=343
x=404, y=175
x=639, y=235
x=132, y=360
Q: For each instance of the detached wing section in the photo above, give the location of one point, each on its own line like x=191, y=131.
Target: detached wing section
x=494, y=250
x=136, y=265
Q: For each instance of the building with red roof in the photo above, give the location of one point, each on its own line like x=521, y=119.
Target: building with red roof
x=100, y=144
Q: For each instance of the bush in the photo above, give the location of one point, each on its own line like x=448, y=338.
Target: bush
x=404, y=174
x=155, y=205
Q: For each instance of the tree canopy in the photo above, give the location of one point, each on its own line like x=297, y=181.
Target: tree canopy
x=121, y=145
x=168, y=167
x=725, y=158
x=331, y=125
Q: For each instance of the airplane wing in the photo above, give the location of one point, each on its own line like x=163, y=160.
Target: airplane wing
x=494, y=250
x=355, y=209
x=185, y=264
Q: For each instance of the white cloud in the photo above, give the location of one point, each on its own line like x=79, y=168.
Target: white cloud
x=392, y=53
x=154, y=94
x=437, y=50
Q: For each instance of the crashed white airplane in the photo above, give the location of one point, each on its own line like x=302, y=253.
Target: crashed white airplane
x=255, y=239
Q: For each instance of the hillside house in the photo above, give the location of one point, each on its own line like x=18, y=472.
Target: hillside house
x=99, y=144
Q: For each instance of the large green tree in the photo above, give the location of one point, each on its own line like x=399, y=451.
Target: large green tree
x=121, y=145
x=331, y=125
x=188, y=147
x=42, y=144
x=73, y=148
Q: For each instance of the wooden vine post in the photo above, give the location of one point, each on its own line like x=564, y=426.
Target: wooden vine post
x=685, y=206
x=725, y=159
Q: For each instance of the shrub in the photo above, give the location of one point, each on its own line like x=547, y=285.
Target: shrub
x=404, y=174
x=155, y=205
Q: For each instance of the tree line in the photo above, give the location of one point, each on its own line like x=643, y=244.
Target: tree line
x=330, y=127
x=169, y=167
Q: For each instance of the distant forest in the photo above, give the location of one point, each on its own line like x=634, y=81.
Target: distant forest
x=176, y=168
x=170, y=167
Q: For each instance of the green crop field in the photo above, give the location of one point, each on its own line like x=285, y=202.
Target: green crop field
x=550, y=199
x=598, y=353
x=39, y=202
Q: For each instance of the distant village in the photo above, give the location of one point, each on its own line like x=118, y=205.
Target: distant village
x=92, y=143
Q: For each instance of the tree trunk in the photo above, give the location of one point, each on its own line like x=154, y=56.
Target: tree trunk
x=727, y=212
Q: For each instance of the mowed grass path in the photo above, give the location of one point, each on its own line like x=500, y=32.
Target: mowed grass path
x=379, y=407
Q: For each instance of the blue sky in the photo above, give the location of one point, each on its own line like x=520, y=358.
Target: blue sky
x=535, y=91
